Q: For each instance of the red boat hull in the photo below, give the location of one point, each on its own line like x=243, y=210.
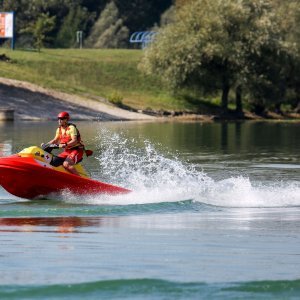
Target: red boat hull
x=25, y=178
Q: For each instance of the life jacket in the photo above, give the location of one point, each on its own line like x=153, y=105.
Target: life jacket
x=64, y=138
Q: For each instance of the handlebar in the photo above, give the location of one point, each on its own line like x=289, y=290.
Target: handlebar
x=49, y=147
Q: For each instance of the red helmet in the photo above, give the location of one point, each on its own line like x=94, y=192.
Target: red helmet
x=63, y=115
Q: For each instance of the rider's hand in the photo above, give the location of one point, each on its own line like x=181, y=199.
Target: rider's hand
x=62, y=145
x=44, y=146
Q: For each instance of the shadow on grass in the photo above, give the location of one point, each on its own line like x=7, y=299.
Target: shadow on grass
x=201, y=106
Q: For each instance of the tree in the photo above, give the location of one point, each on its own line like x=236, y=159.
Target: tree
x=76, y=15
x=214, y=45
x=275, y=75
x=140, y=15
x=39, y=29
x=77, y=19
x=167, y=16
x=109, y=30
x=289, y=12
x=28, y=12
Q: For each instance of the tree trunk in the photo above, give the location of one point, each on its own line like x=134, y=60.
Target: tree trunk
x=297, y=109
x=238, y=99
x=278, y=108
x=259, y=109
x=225, y=92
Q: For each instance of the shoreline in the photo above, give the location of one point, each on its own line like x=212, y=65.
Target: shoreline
x=32, y=102
x=35, y=103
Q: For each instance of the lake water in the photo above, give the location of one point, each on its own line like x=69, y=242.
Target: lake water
x=214, y=214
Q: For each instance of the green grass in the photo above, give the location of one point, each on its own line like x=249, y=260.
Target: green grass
x=102, y=73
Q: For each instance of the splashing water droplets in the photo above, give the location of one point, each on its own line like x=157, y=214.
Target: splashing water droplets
x=141, y=167
x=155, y=177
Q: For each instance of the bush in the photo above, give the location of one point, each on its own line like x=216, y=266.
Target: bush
x=116, y=98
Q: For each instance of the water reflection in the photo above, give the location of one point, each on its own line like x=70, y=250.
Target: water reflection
x=57, y=224
x=225, y=219
x=6, y=148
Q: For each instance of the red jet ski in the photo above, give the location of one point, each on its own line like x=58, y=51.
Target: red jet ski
x=33, y=173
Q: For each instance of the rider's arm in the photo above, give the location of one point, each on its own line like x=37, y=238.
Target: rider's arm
x=73, y=142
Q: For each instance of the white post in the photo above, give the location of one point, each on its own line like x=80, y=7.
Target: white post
x=79, y=38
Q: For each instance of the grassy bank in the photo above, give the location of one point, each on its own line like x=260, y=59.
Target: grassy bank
x=112, y=74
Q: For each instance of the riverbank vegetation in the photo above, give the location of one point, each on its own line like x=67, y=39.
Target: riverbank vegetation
x=215, y=57
x=250, y=48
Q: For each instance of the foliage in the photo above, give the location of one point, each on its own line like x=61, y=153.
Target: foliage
x=81, y=15
x=108, y=31
x=116, y=98
x=168, y=16
x=77, y=19
x=218, y=44
x=38, y=29
x=289, y=12
x=140, y=15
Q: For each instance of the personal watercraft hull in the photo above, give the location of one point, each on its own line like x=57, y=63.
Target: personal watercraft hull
x=25, y=178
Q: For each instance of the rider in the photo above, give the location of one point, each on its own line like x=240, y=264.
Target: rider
x=68, y=137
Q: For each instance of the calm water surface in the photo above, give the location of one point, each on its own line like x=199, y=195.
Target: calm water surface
x=214, y=213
